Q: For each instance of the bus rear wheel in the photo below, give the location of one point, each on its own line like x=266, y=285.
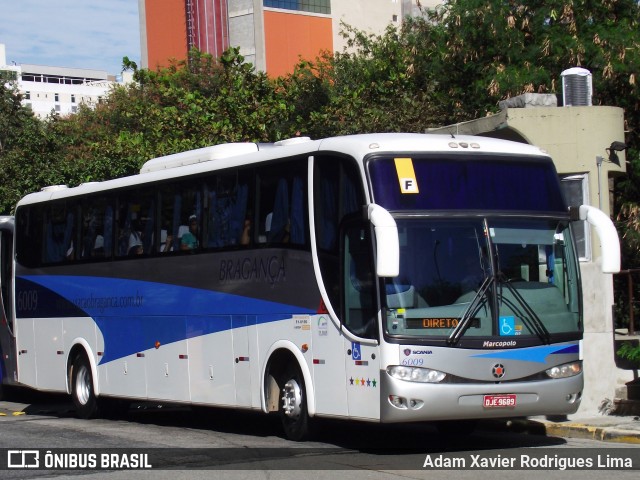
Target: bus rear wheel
x=293, y=406
x=82, y=392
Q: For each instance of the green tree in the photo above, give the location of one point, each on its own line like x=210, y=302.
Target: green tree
x=373, y=87
x=482, y=51
x=27, y=148
x=194, y=103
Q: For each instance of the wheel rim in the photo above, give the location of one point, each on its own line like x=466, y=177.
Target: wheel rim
x=292, y=399
x=83, y=386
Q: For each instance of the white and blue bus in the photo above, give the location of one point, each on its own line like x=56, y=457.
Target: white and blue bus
x=380, y=277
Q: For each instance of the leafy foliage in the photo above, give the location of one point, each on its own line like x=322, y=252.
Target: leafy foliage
x=27, y=149
x=375, y=88
x=630, y=352
x=194, y=103
x=191, y=104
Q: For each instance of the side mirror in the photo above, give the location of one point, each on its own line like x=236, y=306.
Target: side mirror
x=608, y=235
x=387, y=243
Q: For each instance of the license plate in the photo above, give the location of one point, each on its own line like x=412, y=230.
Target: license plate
x=499, y=401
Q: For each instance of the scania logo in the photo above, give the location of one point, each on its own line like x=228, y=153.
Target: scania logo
x=407, y=351
x=498, y=370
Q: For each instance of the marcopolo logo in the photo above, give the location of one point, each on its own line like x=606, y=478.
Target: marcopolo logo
x=498, y=370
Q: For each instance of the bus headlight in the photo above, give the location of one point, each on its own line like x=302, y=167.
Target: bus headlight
x=413, y=374
x=566, y=370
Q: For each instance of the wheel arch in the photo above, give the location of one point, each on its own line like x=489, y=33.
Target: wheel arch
x=279, y=355
x=80, y=346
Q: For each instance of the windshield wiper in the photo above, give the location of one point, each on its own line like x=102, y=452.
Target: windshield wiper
x=529, y=316
x=478, y=301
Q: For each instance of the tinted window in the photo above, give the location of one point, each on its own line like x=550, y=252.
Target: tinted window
x=465, y=182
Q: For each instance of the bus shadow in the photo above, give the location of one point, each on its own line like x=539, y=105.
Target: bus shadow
x=370, y=438
x=426, y=438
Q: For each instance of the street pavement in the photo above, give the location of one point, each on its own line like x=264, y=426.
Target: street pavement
x=606, y=428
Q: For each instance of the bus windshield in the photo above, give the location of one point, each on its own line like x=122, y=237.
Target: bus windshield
x=502, y=277
x=466, y=181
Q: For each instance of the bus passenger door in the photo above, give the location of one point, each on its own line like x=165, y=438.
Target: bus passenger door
x=7, y=344
x=359, y=314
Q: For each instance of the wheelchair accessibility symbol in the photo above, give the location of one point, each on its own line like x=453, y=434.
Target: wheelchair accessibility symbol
x=507, y=326
x=355, y=351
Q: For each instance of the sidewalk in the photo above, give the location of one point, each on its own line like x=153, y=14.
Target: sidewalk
x=605, y=428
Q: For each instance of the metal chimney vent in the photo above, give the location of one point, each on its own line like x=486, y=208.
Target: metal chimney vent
x=577, y=87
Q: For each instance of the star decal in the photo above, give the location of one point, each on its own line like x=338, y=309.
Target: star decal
x=363, y=382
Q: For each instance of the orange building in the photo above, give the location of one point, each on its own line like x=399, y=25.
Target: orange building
x=272, y=34
x=289, y=37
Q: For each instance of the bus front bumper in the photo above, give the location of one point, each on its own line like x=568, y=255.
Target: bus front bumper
x=403, y=401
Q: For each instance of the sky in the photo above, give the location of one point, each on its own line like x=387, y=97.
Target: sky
x=93, y=34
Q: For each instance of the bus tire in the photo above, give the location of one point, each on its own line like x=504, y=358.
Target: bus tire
x=82, y=392
x=293, y=405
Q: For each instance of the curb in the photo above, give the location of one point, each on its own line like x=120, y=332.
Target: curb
x=579, y=430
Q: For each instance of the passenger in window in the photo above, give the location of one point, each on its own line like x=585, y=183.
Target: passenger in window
x=98, y=247
x=189, y=240
x=135, y=246
x=245, y=237
x=135, y=240
x=167, y=245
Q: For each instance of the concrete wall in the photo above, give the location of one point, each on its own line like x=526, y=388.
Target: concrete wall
x=371, y=16
x=246, y=30
x=574, y=137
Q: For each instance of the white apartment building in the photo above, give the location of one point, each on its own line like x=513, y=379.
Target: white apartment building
x=59, y=90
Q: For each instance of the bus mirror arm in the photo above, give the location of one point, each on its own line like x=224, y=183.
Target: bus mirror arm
x=608, y=235
x=387, y=243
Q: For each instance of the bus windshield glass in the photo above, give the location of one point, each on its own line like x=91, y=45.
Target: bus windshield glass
x=485, y=247
x=466, y=182
x=502, y=277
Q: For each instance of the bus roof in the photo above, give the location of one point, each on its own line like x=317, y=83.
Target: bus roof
x=223, y=156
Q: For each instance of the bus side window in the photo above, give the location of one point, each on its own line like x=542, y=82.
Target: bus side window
x=298, y=209
x=358, y=281
x=136, y=223
x=337, y=192
x=228, y=200
x=279, y=226
x=282, y=204
x=59, y=234
x=96, y=228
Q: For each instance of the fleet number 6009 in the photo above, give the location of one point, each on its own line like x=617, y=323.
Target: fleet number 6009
x=27, y=301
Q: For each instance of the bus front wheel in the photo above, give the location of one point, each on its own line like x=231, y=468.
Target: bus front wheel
x=293, y=406
x=82, y=392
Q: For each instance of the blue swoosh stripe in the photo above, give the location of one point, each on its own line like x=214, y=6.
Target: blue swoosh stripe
x=133, y=315
x=533, y=354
